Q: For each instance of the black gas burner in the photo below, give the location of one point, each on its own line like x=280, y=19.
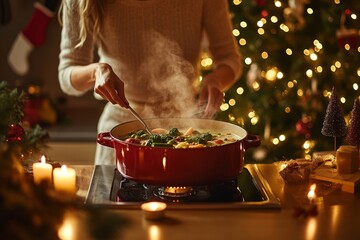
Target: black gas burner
x=131, y=191
x=249, y=190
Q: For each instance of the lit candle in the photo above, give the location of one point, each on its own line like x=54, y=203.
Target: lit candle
x=42, y=171
x=311, y=194
x=154, y=210
x=65, y=179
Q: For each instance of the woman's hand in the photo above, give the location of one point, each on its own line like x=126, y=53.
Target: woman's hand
x=211, y=97
x=109, y=85
x=213, y=87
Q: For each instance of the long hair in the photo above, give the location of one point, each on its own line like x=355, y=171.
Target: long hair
x=88, y=10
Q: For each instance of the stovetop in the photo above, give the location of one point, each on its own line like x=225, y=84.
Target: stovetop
x=249, y=190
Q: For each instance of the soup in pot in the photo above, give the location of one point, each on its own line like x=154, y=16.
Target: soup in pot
x=179, y=138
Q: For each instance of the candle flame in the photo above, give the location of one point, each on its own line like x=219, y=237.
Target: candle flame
x=63, y=169
x=43, y=159
x=153, y=206
x=311, y=193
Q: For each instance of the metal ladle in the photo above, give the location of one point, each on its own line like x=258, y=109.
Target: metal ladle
x=140, y=119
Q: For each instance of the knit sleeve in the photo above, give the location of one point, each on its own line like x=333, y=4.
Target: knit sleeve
x=70, y=55
x=218, y=28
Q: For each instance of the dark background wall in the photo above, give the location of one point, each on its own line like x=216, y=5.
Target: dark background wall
x=43, y=60
x=80, y=113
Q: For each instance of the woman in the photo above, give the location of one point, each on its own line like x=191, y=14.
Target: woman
x=148, y=50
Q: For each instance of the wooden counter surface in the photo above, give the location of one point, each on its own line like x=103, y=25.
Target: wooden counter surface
x=338, y=215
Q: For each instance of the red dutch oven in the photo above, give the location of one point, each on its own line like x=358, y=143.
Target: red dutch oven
x=179, y=167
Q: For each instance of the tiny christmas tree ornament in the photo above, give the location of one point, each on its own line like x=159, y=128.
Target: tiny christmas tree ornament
x=15, y=133
x=353, y=133
x=334, y=123
x=348, y=38
x=303, y=126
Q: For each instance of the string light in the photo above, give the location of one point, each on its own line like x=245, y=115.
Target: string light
x=264, y=55
x=282, y=137
x=309, y=11
x=243, y=24
x=355, y=86
x=313, y=56
x=237, y=2
x=284, y=27
x=242, y=41
x=275, y=141
x=300, y=92
x=248, y=61
x=274, y=19
x=319, y=69
x=277, y=3
x=251, y=114
x=309, y=73
x=255, y=86
x=236, y=32
x=240, y=90
x=270, y=75
x=231, y=117
x=232, y=102
x=224, y=107
x=337, y=64
x=260, y=23
x=254, y=120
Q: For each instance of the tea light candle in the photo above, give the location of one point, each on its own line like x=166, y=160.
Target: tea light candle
x=65, y=179
x=42, y=171
x=153, y=210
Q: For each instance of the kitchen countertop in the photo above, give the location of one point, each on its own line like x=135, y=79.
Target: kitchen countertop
x=337, y=218
x=79, y=124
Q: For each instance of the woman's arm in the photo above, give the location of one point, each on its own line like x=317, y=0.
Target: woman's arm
x=77, y=72
x=225, y=54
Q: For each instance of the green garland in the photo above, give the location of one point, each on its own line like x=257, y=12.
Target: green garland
x=28, y=210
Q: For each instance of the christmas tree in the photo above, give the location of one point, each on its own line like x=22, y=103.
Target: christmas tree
x=353, y=134
x=294, y=52
x=334, y=123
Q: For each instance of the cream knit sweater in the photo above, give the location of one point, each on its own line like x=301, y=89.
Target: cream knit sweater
x=148, y=43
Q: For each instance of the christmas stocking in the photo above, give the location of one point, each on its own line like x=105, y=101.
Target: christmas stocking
x=33, y=35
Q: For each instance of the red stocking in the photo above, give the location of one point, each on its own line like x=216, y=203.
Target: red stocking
x=33, y=35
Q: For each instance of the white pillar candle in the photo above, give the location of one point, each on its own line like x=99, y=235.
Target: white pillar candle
x=65, y=179
x=154, y=210
x=42, y=171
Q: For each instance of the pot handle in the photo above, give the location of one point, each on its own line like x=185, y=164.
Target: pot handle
x=252, y=141
x=105, y=139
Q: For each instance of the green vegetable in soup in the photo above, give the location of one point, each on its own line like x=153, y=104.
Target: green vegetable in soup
x=200, y=138
x=174, y=138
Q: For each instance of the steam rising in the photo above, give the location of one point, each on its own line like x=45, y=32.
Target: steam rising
x=170, y=77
